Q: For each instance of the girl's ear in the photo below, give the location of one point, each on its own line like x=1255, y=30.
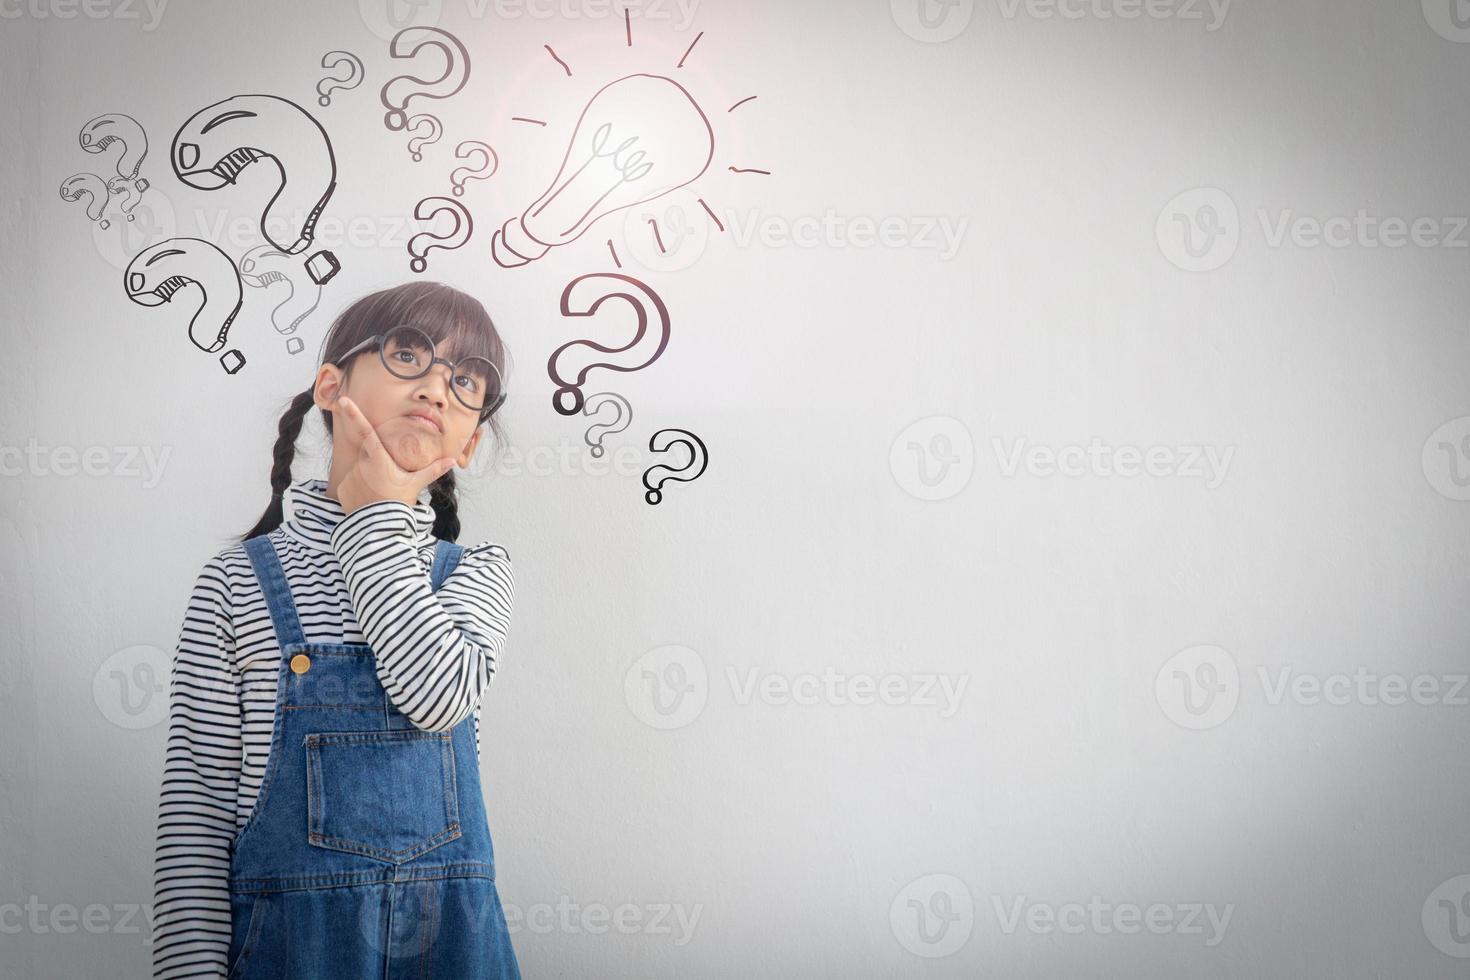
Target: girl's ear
x=463, y=459
x=328, y=386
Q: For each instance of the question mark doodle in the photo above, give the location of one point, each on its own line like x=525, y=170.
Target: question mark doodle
x=459, y=176
x=426, y=210
x=567, y=399
x=622, y=418
x=406, y=44
x=656, y=476
x=264, y=266
x=417, y=143
x=116, y=128
x=355, y=75
x=73, y=187
x=157, y=273
x=219, y=141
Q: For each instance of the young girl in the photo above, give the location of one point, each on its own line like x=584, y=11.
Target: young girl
x=321, y=813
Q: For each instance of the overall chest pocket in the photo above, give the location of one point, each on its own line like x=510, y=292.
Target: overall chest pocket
x=389, y=794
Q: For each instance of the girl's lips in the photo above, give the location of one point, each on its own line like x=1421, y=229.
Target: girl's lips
x=422, y=421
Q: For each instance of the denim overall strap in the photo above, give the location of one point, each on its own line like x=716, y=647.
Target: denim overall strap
x=277, y=592
x=446, y=557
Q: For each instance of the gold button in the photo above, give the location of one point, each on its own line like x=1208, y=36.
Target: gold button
x=300, y=663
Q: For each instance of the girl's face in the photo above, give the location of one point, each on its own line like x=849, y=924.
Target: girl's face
x=418, y=420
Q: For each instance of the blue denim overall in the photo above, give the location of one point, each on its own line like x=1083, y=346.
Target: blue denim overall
x=367, y=855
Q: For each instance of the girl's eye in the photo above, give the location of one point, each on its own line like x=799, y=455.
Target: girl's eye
x=468, y=383
x=406, y=355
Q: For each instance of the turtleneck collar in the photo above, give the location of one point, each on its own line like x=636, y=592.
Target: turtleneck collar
x=310, y=515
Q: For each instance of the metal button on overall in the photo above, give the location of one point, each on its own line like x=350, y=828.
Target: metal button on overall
x=367, y=855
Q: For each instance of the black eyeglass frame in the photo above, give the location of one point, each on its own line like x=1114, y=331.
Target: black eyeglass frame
x=434, y=358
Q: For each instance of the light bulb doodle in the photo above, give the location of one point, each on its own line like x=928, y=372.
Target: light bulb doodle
x=266, y=267
x=433, y=130
x=159, y=272
x=636, y=127
x=94, y=187
x=427, y=210
x=219, y=141
x=575, y=358
x=622, y=417
x=657, y=475
x=334, y=60
x=460, y=176
x=397, y=91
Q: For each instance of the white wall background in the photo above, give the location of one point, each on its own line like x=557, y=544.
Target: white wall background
x=833, y=838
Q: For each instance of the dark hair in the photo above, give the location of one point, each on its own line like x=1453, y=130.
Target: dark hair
x=459, y=327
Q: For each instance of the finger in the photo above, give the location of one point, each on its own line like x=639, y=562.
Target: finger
x=358, y=423
x=422, y=478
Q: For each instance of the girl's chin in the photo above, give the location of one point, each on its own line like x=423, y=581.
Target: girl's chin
x=412, y=450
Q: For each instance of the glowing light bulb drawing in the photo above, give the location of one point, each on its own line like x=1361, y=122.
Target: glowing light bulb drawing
x=638, y=138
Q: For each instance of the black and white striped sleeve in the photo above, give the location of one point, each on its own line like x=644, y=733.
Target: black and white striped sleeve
x=201, y=776
x=436, y=651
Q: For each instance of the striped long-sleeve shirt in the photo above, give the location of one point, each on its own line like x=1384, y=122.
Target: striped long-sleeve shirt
x=362, y=578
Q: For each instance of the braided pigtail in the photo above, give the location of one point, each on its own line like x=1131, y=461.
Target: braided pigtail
x=285, y=453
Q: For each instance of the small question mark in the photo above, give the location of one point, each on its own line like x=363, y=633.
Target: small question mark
x=416, y=143
x=659, y=474
x=117, y=127
x=73, y=187
x=156, y=274
x=427, y=209
x=264, y=266
x=459, y=176
x=397, y=91
x=355, y=75
x=567, y=399
x=131, y=192
x=622, y=418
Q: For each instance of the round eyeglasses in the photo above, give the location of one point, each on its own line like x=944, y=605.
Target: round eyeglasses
x=408, y=353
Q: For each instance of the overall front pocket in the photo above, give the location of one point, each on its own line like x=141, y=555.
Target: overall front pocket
x=389, y=794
